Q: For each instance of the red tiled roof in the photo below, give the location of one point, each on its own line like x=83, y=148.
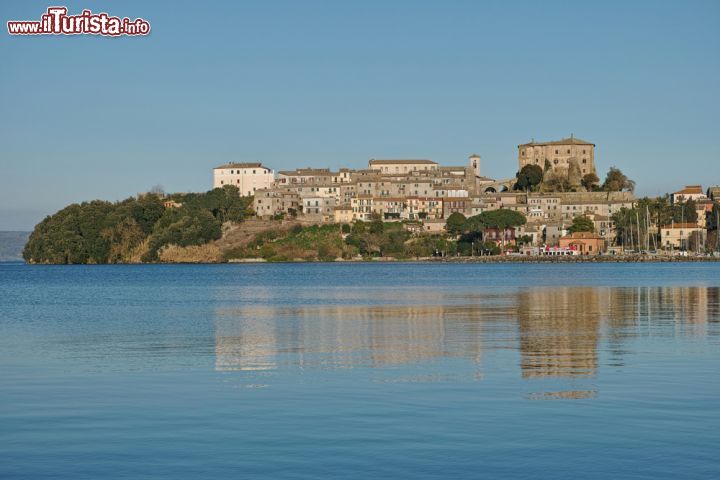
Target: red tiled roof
x=690, y=190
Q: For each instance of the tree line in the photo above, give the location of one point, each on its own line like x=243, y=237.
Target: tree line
x=533, y=178
x=135, y=229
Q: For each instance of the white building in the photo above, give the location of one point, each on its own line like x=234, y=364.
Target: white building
x=247, y=177
x=690, y=192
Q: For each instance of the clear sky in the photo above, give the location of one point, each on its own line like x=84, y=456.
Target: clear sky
x=331, y=84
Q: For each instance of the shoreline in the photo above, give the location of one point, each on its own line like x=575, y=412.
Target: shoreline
x=457, y=260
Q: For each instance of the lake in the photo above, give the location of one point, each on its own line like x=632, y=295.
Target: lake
x=360, y=371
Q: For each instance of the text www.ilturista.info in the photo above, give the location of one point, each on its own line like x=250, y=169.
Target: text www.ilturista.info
x=57, y=22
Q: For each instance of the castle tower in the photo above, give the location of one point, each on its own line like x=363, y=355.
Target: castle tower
x=475, y=164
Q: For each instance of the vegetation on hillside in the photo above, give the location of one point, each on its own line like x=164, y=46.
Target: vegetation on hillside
x=582, y=224
x=533, y=178
x=135, y=229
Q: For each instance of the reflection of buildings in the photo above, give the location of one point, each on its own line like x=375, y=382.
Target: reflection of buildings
x=250, y=345
x=559, y=331
x=342, y=336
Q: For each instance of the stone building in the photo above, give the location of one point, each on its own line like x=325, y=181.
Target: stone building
x=559, y=154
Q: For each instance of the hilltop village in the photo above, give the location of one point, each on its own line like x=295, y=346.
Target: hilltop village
x=554, y=206
x=557, y=190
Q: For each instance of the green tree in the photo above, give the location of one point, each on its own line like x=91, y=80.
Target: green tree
x=714, y=220
x=376, y=224
x=582, y=224
x=616, y=181
x=455, y=223
x=590, y=181
x=556, y=183
x=501, y=219
x=528, y=178
x=686, y=212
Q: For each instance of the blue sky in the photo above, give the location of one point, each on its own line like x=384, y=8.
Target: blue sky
x=336, y=83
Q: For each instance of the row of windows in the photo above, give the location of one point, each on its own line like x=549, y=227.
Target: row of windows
x=557, y=152
x=238, y=172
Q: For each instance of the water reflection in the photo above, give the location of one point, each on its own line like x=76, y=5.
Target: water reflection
x=558, y=332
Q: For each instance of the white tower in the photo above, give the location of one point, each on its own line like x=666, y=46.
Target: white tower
x=475, y=164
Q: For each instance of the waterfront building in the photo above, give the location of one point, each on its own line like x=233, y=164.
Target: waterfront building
x=585, y=243
x=682, y=236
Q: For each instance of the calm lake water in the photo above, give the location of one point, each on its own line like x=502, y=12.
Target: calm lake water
x=360, y=371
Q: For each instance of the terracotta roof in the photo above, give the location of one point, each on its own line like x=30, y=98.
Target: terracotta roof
x=401, y=162
x=565, y=141
x=242, y=165
x=583, y=235
x=690, y=190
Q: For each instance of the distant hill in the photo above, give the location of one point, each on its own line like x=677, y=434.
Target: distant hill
x=12, y=244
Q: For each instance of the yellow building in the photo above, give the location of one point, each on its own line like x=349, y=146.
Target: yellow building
x=681, y=235
x=343, y=214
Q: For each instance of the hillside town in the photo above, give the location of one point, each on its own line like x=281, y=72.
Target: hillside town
x=423, y=195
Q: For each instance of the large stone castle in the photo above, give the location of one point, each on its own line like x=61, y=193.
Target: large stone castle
x=571, y=158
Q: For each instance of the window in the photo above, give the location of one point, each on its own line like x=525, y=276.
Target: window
x=556, y=152
x=253, y=172
x=555, y=161
x=583, y=152
x=232, y=171
x=568, y=151
x=584, y=160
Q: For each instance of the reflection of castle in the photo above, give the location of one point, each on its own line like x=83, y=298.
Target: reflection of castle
x=559, y=329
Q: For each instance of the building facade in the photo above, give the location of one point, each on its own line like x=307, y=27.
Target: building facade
x=558, y=154
x=247, y=177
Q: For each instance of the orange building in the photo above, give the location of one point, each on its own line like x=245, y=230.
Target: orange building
x=585, y=243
